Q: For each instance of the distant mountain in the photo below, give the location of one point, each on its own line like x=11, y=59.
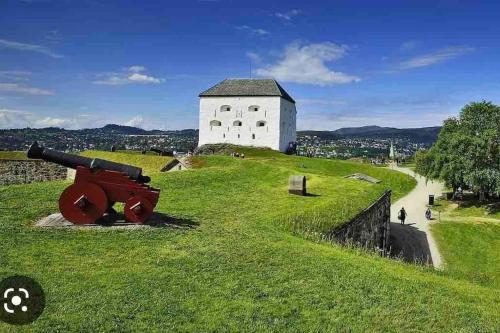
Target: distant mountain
x=110, y=129
x=113, y=129
x=121, y=129
x=423, y=135
x=364, y=130
x=426, y=135
x=327, y=135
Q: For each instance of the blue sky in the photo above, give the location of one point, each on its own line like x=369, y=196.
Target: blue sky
x=77, y=64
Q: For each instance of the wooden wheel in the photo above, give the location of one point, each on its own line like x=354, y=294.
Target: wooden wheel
x=138, y=209
x=83, y=203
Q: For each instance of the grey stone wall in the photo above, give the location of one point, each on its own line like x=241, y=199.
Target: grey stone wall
x=28, y=171
x=370, y=228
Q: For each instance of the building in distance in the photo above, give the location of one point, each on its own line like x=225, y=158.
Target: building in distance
x=248, y=112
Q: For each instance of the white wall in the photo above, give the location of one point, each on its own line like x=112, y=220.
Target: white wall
x=288, y=126
x=266, y=136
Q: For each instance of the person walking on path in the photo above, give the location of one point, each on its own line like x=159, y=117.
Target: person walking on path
x=402, y=215
x=414, y=244
x=428, y=214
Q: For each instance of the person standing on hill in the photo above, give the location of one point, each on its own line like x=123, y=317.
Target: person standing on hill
x=402, y=215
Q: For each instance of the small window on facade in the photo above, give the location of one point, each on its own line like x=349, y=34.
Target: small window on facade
x=237, y=123
x=225, y=108
x=261, y=123
x=238, y=136
x=253, y=136
x=253, y=108
x=224, y=135
x=215, y=123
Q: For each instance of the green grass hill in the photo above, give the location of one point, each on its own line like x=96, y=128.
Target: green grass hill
x=469, y=240
x=238, y=261
x=149, y=163
x=13, y=155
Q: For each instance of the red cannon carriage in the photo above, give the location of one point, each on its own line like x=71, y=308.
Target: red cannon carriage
x=98, y=185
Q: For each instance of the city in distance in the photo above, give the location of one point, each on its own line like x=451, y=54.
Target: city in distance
x=365, y=142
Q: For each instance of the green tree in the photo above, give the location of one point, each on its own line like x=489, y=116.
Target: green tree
x=466, y=152
x=423, y=162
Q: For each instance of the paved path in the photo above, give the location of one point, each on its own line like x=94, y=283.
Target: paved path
x=413, y=241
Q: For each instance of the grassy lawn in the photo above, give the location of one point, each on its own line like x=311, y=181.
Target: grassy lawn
x=238, y=267
x=409, y=165
x=469, y=240
x=451, y=210
x=471, y=250
x=13, y=155
x=474, y=211
x=149, y=163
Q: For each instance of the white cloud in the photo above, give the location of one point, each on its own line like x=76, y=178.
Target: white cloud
x=253, y=31
x=12, y=118
x=53, y=36
x=398, y=111
x=287, y=16
x=7, y=44
x=142, y=78
x=307, y=64
x=326, y=122
x=15, y=75
x=319, y=102
x=136, y=69
x=53, y=122
x=254, y=57
x=436, y=57
x=16, y=88
x=131, y=75
x=136, y=121
x=408, y=45
x=77, y=119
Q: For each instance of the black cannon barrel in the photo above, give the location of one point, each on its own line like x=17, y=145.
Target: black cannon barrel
x=161, y=152
x=73, y=161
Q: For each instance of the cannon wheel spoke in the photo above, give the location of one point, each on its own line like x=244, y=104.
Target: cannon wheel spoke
x=83, y=203
x=138, y=209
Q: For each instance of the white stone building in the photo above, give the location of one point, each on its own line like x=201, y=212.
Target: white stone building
x=248, y=112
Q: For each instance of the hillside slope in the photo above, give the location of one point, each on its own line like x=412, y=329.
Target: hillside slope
x=229, y=263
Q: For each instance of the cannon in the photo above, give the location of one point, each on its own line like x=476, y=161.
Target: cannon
x=161, y=152
x=98, y=185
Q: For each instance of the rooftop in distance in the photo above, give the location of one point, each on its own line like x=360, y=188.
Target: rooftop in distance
x=247, y=87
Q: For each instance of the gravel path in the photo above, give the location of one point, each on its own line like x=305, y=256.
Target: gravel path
x=413, y=241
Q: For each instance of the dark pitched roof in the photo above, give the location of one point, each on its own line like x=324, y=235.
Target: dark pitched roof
x=247, y=87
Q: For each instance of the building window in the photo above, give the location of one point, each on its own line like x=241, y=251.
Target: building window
x=238, y=136
x=237, y=123
x=224, y=135
x=253, y=136
x=225, y=108
x=215, y=123
x=253, y=108
x=261, y=123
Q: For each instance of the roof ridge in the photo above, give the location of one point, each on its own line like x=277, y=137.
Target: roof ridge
x=247, y=87
x=215, y=85
x=249, y=79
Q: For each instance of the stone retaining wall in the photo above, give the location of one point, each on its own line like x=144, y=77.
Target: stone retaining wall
x=370, y=228
x=28, y=171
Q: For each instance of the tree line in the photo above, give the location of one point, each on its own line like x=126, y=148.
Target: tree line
x=467, y=151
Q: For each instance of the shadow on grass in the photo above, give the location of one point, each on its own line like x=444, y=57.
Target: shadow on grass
x=410, y=244
x=157, y=220
x=468, y=200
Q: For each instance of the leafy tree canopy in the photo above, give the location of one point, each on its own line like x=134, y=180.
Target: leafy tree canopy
x=467, y=151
